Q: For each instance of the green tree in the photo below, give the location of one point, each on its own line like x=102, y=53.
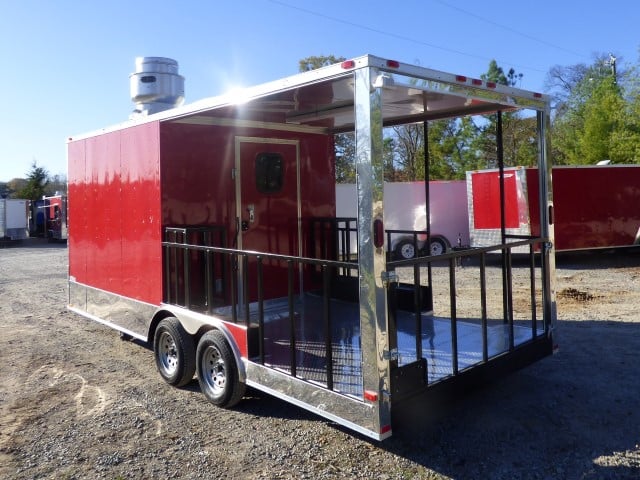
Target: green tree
x=315, y=62
x=518, y=132
x=14, y=187
x=345, y=149
x=597, y=113
x=408, y=142
x=37, y=182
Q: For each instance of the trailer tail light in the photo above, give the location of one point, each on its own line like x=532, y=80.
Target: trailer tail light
x=371, y=395
x=393, y=64
x=385, y=429
x=378, y=233
x=347, y=64
x=461, y=78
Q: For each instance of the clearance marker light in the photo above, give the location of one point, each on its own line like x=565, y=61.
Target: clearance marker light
x=475, y=81
x=348, y=64
x=461, y=78
x=537, y=95
x=393, y=64
x=370, y=395
x=491, y=84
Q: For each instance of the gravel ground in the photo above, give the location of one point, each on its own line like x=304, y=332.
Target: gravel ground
x=78, y=402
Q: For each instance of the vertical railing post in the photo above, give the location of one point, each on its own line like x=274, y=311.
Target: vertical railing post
x=510, y=298
x=187, y=277
x=483, y=305
x=532, y=275
x=454, y=319
x=167, y=273
x=328, y=331
x=245, y=289
x=233, y=258
x=260, y=309
x=417, y=306
x=292, y=320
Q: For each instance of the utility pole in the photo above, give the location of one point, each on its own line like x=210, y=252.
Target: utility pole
x=612, y=63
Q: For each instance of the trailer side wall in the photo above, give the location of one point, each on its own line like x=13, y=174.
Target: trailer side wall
x=114, y=212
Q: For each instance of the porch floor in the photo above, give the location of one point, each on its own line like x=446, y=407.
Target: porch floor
x=311, y=358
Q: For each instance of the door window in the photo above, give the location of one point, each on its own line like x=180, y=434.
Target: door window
x=269, y=173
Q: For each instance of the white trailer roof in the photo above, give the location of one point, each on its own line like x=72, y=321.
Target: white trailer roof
x=324, y=98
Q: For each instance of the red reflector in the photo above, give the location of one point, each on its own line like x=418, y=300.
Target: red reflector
x=393, y=64
x=475, y=81
x=537, y=95
x=348, y=64
x=370, y=395
x=491, y=84
x=461, y=78
x=385, y=428
x=378, y=233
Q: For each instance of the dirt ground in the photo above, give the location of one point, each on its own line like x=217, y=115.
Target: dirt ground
x=78, y=402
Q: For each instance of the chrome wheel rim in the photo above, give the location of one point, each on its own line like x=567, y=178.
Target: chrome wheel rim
x=168, y=354
x=214, y=370
x=407, y=251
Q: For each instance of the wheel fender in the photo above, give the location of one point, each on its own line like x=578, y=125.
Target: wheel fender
x=196, y=324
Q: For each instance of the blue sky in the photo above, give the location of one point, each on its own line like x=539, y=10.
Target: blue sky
x=66, y=64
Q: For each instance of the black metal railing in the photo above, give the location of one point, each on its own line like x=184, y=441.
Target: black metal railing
x=476, y=256
x=186, y=272
x=246, y=302
x=334, y=238
x=245, y=294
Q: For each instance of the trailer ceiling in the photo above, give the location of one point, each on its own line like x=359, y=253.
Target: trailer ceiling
x=328, y=103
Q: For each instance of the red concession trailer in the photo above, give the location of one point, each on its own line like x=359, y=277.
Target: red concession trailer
x=54, y=216
x=217, y=244
x=595, y=206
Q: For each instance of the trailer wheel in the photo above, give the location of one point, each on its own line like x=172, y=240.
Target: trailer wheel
x=438, y=246
x=174, y=351
x=405, y=250
x=217, y=370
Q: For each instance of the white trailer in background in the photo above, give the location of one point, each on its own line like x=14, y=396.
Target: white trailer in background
x=14, y=219
x=406, y=215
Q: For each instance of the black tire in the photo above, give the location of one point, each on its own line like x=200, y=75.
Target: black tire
x=217, y=370
x=405, y=250
x=174, y=351
x=438, y=246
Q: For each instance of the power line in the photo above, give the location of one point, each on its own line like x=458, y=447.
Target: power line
x=513, y=30
x=394, y=35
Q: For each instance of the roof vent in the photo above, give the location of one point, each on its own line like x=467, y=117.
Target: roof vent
x=155, y=86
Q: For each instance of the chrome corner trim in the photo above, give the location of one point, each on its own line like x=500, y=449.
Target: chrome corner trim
x=349, y=412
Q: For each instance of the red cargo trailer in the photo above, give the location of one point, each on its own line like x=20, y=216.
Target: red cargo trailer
x=54, y=216
x=217, y=243
x=595, y=206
